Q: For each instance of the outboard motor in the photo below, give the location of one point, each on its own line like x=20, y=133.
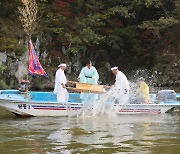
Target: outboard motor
x=166, y=95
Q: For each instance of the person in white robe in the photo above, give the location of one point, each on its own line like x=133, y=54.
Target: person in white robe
x=60, y=84
x=88, y=75
x=121, y=86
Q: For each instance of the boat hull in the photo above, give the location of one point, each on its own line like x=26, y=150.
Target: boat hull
x=144, y=108
x=59, y=109
x=45, y=104
x=39, y=109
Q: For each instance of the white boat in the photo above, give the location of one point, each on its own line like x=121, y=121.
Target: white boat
x=45, y=104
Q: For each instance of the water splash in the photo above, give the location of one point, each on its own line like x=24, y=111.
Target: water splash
x=107, y=104
x=110, y=102
x=151, y=78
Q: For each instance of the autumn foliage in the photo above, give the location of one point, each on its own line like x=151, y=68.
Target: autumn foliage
x=64, y=7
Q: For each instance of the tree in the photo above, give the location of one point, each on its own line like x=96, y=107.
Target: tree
x=28, y=16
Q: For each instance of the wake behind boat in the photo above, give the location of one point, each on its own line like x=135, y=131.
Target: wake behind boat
x=45, y=104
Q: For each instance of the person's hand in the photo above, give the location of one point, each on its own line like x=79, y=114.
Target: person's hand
x=112, y=86
x=63, y=85
x=93, y=78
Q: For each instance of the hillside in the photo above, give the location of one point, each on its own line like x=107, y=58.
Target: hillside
x=131, y=34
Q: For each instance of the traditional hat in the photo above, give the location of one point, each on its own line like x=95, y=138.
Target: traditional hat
x=114, y=68
x=63, y=64
x=87, y=61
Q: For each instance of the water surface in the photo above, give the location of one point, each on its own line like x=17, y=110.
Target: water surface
x=114, y=134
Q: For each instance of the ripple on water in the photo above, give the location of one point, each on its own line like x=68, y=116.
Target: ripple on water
x=117, y=134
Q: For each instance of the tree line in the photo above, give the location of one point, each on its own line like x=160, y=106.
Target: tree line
x=131, y=33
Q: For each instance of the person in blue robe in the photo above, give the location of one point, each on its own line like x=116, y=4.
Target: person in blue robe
x=88, y=75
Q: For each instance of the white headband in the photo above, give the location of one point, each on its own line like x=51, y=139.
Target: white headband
x=114, y=68
x=62, y=65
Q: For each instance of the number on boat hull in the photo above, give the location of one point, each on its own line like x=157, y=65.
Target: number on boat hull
x=24, y=106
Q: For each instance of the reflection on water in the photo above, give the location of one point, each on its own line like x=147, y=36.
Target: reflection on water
x=116, y=134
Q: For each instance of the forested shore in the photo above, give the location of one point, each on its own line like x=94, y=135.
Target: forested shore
x=132, y=34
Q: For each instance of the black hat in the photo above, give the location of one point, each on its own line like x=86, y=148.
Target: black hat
x=87, y=61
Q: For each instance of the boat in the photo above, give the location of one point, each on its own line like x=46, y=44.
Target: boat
x=32, y=103
x=36, y=103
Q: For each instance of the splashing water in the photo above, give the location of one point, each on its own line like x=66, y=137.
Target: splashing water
x=107, y=104
x=110, y=102
x=151, y=78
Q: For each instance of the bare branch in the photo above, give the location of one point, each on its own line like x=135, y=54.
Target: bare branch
x=28, y=16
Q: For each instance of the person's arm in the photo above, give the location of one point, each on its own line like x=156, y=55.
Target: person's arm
x=81, y=76
x=118, y=82
x=95, y=75
x=60, y=79
x=63, y=85
x=19, y=87
x=63, y=80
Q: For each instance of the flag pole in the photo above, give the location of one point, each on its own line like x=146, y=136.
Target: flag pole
x=27, y=76
x=28, y=59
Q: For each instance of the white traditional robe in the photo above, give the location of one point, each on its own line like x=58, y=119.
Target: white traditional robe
x=62, y=94
x=122, y=85
x=89, y=76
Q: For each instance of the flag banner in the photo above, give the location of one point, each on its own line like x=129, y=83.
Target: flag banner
x=34, y=66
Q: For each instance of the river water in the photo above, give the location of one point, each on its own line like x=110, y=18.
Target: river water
x=141, y=134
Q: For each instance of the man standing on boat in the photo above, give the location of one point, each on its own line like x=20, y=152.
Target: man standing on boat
x=88, y=75
x=60, y=84
x=121, y=86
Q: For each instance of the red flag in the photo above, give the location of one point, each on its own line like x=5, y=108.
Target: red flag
x=34, y=66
